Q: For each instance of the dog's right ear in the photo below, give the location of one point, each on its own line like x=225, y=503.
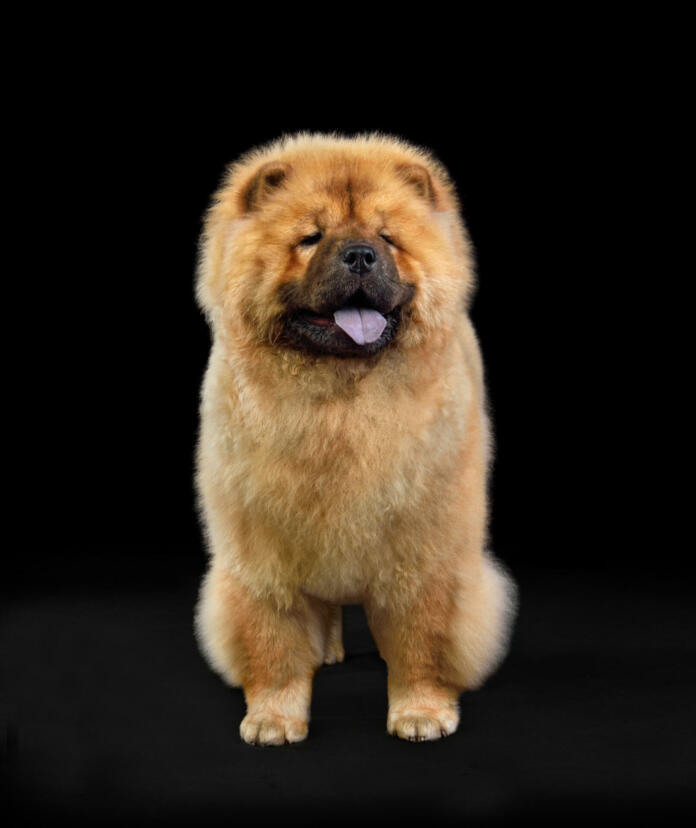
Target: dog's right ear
x=265, y=181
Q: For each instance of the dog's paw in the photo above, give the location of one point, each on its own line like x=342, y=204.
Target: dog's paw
x=268, y=729
x=334, y=654
x=423, y=724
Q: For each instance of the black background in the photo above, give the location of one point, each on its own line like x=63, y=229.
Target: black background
x=111, y=712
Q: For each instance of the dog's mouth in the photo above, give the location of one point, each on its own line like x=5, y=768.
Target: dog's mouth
x=354, y=329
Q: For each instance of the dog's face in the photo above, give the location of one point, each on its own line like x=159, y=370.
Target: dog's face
x=335, y=247
x=348, y=299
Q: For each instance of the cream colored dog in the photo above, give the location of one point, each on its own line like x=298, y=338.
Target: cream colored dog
x=344, y=442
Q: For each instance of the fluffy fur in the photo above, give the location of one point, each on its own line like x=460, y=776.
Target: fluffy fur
x=330, y=479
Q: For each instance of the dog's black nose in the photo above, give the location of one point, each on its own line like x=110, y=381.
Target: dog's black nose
x=360, y=258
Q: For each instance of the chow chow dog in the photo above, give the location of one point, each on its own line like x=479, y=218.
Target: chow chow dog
x=344, y=442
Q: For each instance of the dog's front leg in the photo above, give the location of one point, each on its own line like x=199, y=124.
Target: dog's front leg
x=446, y=640
x=423, y=699
x=271, y=651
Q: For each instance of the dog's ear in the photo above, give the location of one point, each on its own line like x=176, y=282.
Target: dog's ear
x=418, y=177
x=266, y=180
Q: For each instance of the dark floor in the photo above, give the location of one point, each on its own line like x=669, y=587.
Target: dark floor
x=112, y=715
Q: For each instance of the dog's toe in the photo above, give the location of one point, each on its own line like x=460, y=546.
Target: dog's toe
x=422, y=725
x=271, y=730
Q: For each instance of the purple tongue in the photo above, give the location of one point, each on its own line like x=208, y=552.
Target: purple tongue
x=361, y=324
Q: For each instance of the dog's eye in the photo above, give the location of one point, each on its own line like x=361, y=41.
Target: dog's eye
x=388, y=239
x=310, y=241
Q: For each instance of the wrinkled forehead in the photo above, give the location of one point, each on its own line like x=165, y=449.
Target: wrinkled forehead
x=338, y=193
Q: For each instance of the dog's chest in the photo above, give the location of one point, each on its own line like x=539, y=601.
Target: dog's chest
x=334, y=472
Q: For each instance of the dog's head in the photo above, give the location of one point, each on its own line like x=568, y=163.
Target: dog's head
x=334, y=247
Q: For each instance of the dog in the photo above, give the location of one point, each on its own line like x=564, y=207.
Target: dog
x=344, y=441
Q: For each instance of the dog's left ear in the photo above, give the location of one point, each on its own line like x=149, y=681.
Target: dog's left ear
x=269, y=178
x=418, y=177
